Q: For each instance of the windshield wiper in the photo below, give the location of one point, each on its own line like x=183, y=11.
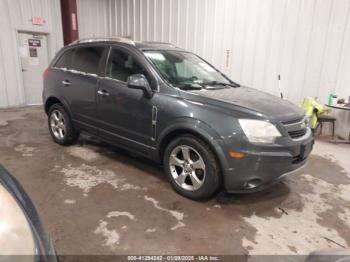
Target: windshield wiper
x=216, y=83
x=190, y=86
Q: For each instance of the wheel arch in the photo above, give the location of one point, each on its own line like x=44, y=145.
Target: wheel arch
x=207, y=136
x=50, y=101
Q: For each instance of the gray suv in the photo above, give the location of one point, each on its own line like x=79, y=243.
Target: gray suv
x=171, y=106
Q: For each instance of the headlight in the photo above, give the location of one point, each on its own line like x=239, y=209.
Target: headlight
x=16, y=236
x=258, y=131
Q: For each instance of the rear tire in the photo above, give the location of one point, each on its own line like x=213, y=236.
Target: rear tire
x=192, y=168
x=61, y=126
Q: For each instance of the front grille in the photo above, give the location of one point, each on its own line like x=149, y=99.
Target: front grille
x=296, y=128
x=297, y=133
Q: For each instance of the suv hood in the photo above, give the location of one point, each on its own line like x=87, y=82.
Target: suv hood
x=249, y=99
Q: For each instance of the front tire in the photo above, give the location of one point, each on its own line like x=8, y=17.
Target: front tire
x=192, y=168
x=60, y=126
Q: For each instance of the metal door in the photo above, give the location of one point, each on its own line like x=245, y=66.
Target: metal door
x=34, y=60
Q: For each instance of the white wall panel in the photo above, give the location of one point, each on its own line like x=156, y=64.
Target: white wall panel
x=16, y=15
x=307, y=42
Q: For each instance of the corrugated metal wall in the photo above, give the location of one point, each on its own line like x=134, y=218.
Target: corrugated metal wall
x=307, y=42
x=16, y=15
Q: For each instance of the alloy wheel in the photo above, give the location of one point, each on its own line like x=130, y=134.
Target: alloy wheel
x=57, y=124
x=187, y=167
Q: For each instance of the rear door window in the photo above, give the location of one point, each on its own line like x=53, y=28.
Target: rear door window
x=65, y=61
x=87, y=59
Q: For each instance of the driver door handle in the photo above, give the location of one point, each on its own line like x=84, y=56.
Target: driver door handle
x=102, y=93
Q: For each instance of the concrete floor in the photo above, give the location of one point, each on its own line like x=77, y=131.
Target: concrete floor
x=96, y=199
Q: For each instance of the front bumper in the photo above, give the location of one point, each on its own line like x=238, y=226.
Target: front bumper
x=259, y=170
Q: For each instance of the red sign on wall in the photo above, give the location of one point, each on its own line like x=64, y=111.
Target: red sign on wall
x=37, y=20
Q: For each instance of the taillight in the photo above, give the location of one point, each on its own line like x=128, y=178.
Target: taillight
x=46, y=73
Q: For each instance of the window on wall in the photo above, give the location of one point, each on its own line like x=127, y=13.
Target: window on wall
x=121, y=65
x=86, y=59
x=65, y=61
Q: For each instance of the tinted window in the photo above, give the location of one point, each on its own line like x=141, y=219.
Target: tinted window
x=65, y=60
x=86, y=59
x=121, y=65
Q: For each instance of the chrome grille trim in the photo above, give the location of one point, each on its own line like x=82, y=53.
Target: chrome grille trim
x=297, y=121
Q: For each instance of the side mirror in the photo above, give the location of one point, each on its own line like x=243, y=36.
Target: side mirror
x=139, y=81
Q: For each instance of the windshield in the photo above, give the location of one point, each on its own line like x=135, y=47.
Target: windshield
x=186, y=70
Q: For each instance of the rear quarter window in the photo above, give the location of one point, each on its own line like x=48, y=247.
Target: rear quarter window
x=65, y=60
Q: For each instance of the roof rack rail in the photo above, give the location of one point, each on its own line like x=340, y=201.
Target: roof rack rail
x=103, y=39
x=160, y=43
